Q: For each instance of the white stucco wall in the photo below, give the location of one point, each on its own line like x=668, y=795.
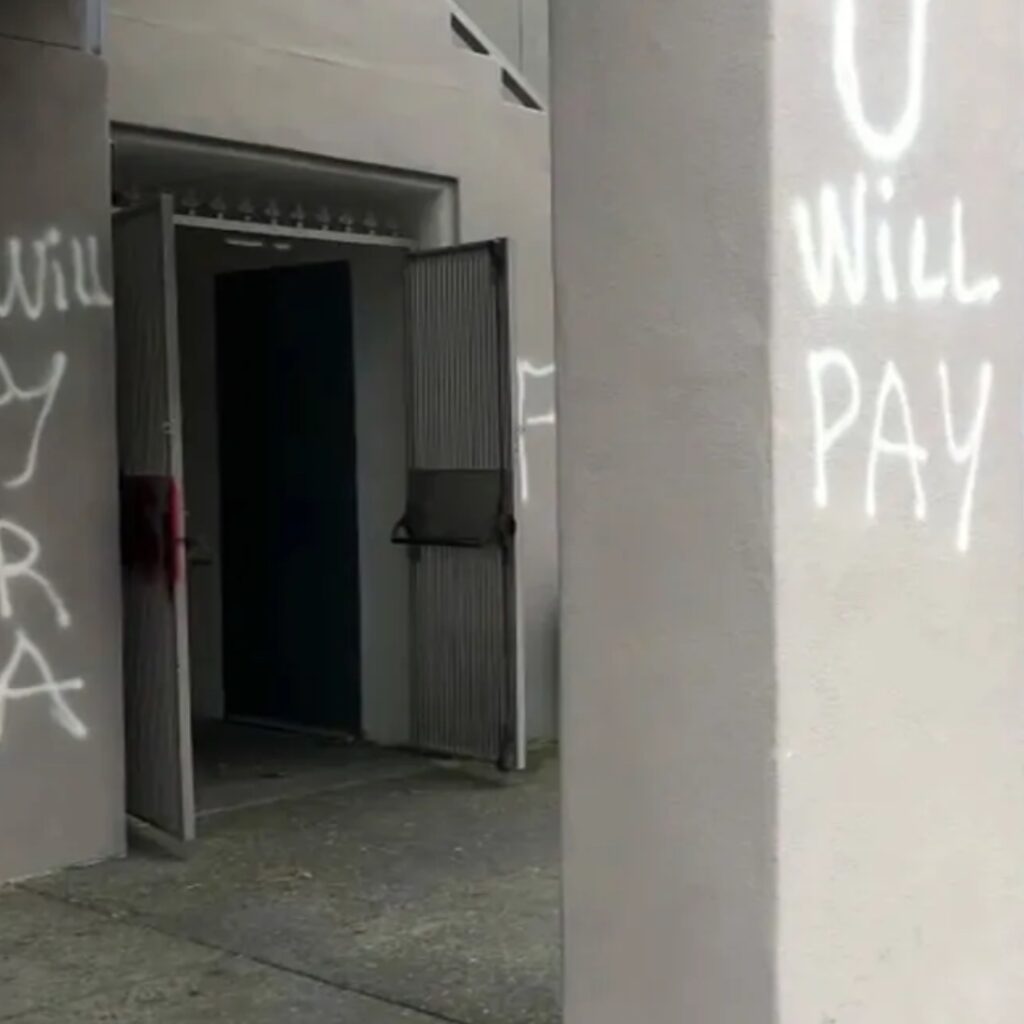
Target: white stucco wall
x=662, y=232
x=378, y=82
x=791, y=506
x=519, y=28
x=899, y=612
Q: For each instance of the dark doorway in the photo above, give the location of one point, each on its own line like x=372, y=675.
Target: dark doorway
x=290, y=553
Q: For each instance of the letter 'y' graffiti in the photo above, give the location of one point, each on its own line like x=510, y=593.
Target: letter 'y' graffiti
x=45, y=393
x=968, y=452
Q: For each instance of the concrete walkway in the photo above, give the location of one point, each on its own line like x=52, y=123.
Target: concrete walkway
x=418, y=895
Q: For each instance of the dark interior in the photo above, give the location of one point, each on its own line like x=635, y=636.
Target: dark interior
x=290, y=545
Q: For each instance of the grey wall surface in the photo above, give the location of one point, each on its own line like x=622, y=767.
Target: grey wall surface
x=792, y=642
x=61, y=745
x=901, y=741
x=662, y=275
x=519, y=28
x=378, y=339
x=61, y=22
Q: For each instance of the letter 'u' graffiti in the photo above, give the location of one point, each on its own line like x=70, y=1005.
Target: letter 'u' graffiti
x=890, y=144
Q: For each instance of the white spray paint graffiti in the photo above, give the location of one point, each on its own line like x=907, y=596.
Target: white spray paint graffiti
x=834, y=252
x=893, y=391
x=46, y=394
x=967, y=453
x=837, y=398
x=893, y=144
x=850, y=253
x=528, y=372
x=50, y=274
x=25, y=651
x=24, y=568
x=34, y=279
x=827, y=435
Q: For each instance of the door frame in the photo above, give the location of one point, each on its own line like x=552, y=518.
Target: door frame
x=176, y=445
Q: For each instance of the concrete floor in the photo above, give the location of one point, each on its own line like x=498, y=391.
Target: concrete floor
x=400, y=891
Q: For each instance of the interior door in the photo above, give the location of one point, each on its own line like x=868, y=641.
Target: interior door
x=459, y=523
x=156, y=664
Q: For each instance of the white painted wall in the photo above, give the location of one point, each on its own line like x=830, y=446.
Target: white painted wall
x=379, y=82
x=378, y=291
x=792, y=510
x=662, y=225
x=378, y=338
x=519, y=28
x=900, y=609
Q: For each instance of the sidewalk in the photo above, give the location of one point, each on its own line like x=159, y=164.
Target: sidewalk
x=433, y=897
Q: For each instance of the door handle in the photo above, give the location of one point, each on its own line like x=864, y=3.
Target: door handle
x=196, y=551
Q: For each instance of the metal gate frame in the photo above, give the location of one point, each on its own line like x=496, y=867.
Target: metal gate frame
x=507, y=746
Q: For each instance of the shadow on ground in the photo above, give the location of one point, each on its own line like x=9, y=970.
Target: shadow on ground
x=434, y=895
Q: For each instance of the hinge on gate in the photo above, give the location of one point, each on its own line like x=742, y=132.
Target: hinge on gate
x=499, y=257
x=507, y=757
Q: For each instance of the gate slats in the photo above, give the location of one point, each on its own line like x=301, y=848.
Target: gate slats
x=463, y=667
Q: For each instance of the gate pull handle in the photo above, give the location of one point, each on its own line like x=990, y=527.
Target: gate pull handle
x=400, y=535
x=507, y=527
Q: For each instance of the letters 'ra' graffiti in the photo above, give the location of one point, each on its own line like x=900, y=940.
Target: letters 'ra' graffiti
x=27, y=673
x=850, y=255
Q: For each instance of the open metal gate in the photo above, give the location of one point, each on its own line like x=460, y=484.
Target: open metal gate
x=459, y=520
x=156, y=677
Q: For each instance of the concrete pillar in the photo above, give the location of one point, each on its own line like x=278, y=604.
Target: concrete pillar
x=788, y=265
x=61, y=746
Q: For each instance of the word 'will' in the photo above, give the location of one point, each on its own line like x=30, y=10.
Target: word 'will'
x=849, y=248
x=50, y=273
